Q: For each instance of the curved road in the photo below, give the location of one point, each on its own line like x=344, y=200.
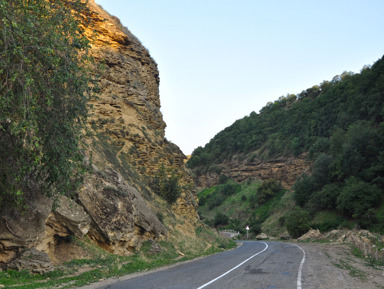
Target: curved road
x=262, y=265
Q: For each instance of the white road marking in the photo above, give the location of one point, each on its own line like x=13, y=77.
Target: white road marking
x=299, y=273
x=234, y=268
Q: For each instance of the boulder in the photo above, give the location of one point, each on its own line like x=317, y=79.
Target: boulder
x=69, y=219
x=262, y=236
x=310, y=235
x=20, y=230
x=33, y=261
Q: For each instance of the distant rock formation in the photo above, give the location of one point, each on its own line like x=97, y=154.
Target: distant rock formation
x=284, y=170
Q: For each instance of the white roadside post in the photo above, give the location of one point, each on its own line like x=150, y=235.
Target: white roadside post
x=247, y=228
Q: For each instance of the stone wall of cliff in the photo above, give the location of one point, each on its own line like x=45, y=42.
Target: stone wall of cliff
x=116, y=208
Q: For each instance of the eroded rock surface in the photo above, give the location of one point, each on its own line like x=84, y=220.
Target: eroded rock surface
x=285, y=170
x=32, y=260
x=116, y=207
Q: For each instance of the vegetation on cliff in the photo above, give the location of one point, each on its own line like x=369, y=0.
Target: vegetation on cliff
x=44, y=91
x=339, y=124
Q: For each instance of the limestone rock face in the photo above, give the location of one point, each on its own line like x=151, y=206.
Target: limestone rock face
x=121, y=218
x=116, y=208
x=126, y=116
x=284, y=170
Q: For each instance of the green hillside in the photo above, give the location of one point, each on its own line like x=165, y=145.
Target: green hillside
x=297, y=123
x=340, y=125
x=235, y=206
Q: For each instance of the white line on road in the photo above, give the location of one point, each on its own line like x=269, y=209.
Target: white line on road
x=234, y=268
x=299, y=273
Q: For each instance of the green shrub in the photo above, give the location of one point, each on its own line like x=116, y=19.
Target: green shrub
x=297, y=222
x=230, y=189
x=166, y=185
x=303, y=189
x=215, y=200
x=326, y=198
x=321, y=172
x=267, y=190
x=223, y=179
x=357, y=197
x=202, y=200
x=255, y=226
x=329, y=225
x=220, y=219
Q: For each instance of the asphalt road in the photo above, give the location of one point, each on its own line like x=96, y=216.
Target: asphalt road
x=261, y=265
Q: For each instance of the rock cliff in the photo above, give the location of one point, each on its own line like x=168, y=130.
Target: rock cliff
x=285, y=170
x=116, y=208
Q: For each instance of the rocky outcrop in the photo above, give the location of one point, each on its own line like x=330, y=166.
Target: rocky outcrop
x=23, y=230
x=285, y=170
x=32, y=260
x=116, y=207
x=121, y=219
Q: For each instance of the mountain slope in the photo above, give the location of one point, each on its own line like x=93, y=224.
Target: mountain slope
x=329, y=136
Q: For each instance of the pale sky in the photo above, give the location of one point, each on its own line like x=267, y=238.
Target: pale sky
x=219, y=60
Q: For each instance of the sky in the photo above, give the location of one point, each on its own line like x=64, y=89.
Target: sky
x=219, y=60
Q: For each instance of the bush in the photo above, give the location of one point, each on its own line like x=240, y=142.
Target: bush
x=202, y=201
x=326, y=198
x=357, y=197
x=215, y=200
x=303, y=189
x=230, y=189
x=254, y=227
x=220, y=219
x=267, y=190
x=328, y=225
x=297, y=222
x=223, y=179
x=321, y=172
x=166, y=186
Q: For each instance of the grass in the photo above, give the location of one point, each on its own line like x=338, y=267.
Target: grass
x=371, y=260
x=354, y=272
x=103, y=265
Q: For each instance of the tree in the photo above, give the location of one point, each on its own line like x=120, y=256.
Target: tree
x=303, y=189
x=357, y=197
x=321, y=172
x=297, y=222
x=44, y=93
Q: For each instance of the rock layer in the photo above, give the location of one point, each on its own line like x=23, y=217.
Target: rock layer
x=285, y=170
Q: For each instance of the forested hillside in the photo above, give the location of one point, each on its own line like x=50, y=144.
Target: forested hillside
x=297, y=123
x=339, y=124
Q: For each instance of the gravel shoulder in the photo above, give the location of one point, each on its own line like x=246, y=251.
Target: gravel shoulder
x=333, y=266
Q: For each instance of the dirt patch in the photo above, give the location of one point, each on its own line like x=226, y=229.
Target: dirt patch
x=334, y=266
